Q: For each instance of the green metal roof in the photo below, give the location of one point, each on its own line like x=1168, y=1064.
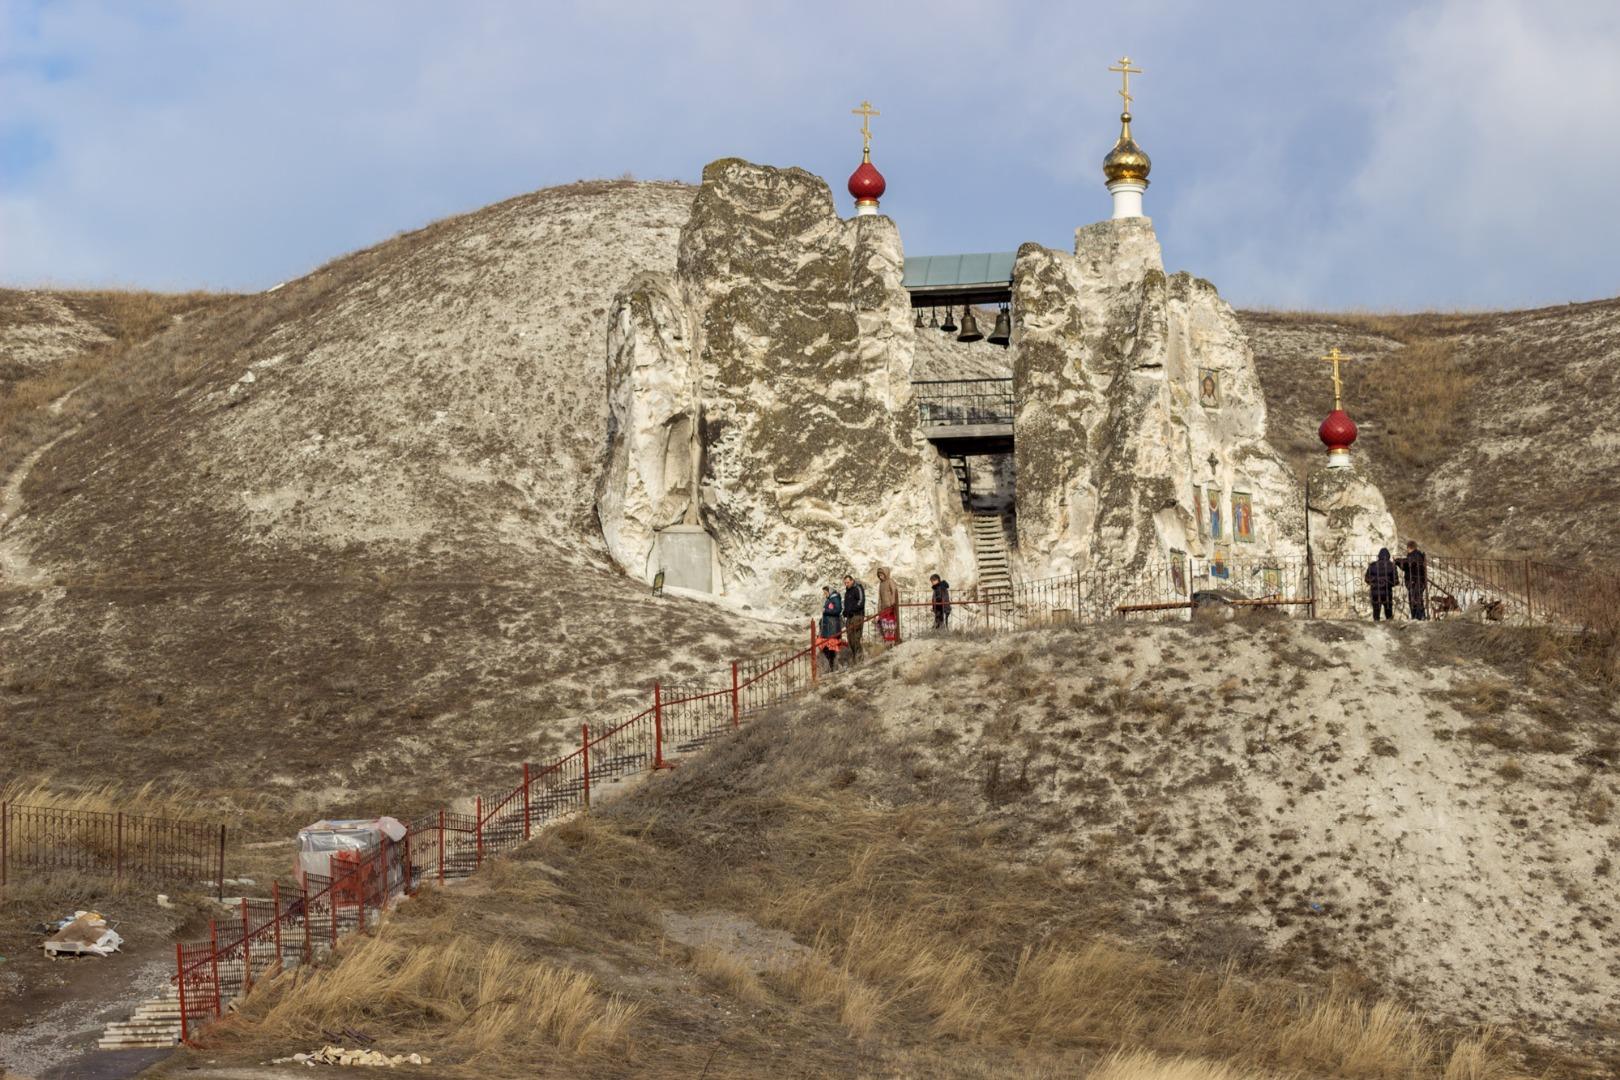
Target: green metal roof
x=949, y=271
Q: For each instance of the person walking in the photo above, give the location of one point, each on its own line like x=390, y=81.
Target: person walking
x=832, y=617
x=1415, y=569
x=1381, y=577
x=888, y=606
x=854, y=616
x=942, y=602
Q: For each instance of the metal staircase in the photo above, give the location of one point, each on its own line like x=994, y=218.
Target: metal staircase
x=990, y=554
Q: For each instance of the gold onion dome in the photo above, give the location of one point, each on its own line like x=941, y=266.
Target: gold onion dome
x=1126, y=161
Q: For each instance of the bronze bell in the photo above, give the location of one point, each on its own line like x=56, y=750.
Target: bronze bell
x=919, y=318
x=970, y=326
x=948, y=326
x=1002, y=334
x=933, y=317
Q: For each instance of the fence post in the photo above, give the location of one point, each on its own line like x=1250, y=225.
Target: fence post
x=478, y=827
x=813, y=672
x=441, y=845
x=526, y=832
x=658, y=726
x=408, y=882
x=247, y=949
x=180, y=984
x=213, y=961
x=1310, y=578
x=736, y=698
x=585, y=754
x=309, y=946
x=275, y=904
x=118, y=857
x=1529, y=604
x=220, y=879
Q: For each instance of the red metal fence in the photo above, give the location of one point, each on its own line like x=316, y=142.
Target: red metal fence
x=122, y=846
x=299, y=927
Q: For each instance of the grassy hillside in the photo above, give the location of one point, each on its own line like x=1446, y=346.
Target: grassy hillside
x=1274, y=849
x=331, y=548
x=1488, y=432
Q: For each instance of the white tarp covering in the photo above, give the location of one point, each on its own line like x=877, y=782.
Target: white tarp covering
x=317, y=843
x=87, y=934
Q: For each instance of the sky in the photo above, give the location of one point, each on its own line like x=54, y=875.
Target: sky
x=1375, y=155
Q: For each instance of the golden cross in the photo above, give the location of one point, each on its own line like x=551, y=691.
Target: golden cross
x=1125, y=72
x=866, y=112
x=1335, y=359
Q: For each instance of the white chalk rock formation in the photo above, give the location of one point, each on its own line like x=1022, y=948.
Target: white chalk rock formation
x=784, y=342
x=650, y=482
x=1349, y=519
x=1141, y=425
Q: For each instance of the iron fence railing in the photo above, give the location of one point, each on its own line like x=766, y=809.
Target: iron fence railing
x=964, y=402
x=300, y=924
x=40, y=840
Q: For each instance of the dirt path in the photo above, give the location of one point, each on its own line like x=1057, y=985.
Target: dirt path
x=14, y=565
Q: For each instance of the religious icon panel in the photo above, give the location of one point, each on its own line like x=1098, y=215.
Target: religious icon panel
x=1209, y=388
x=1212, y=499
x=1242, y=517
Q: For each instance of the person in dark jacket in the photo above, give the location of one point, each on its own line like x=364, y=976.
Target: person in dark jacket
x=1381, y=577
x=854, y=616
x=1415, y=569
x=832, y=618
x=942, y=602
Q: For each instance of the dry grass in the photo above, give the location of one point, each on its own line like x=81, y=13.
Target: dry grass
x=1418, y=393
x=730, y=974
x=475, y=1001
x=1405, y=327
x=114, y=375
x=1140, y=1066
x=103, y=798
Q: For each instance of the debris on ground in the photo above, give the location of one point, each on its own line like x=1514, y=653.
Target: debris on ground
x=337, y=1055
x=84, y=933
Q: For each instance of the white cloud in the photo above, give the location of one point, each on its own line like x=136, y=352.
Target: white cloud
x=1459, y=153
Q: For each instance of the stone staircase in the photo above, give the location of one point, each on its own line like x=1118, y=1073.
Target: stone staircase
x=154, y=1024
x=990, y=554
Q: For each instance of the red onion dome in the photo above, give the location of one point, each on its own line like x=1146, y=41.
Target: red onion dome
x=1338, y=431
x=866, y=183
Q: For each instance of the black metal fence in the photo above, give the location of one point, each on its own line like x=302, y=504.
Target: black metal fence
x=41, y=840
x=964, y=402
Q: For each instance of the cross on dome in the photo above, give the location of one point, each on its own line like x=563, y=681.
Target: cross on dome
x=1125, y=71
x=866, y=112
x=1335, y=359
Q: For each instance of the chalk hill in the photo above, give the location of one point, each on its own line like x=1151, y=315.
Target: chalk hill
x=1065, y=861
x=1492, y=432
x=342, y=541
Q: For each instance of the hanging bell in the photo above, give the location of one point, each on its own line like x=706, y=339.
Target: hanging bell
x=1002, y=334
x=970, y=326
x=919, y=318
x=947, y=327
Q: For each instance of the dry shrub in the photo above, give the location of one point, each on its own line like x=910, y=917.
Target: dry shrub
x=819, y=983
x=730, y=974
x=1478, y=1059
x=473, y=999
x=1137, y=1065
